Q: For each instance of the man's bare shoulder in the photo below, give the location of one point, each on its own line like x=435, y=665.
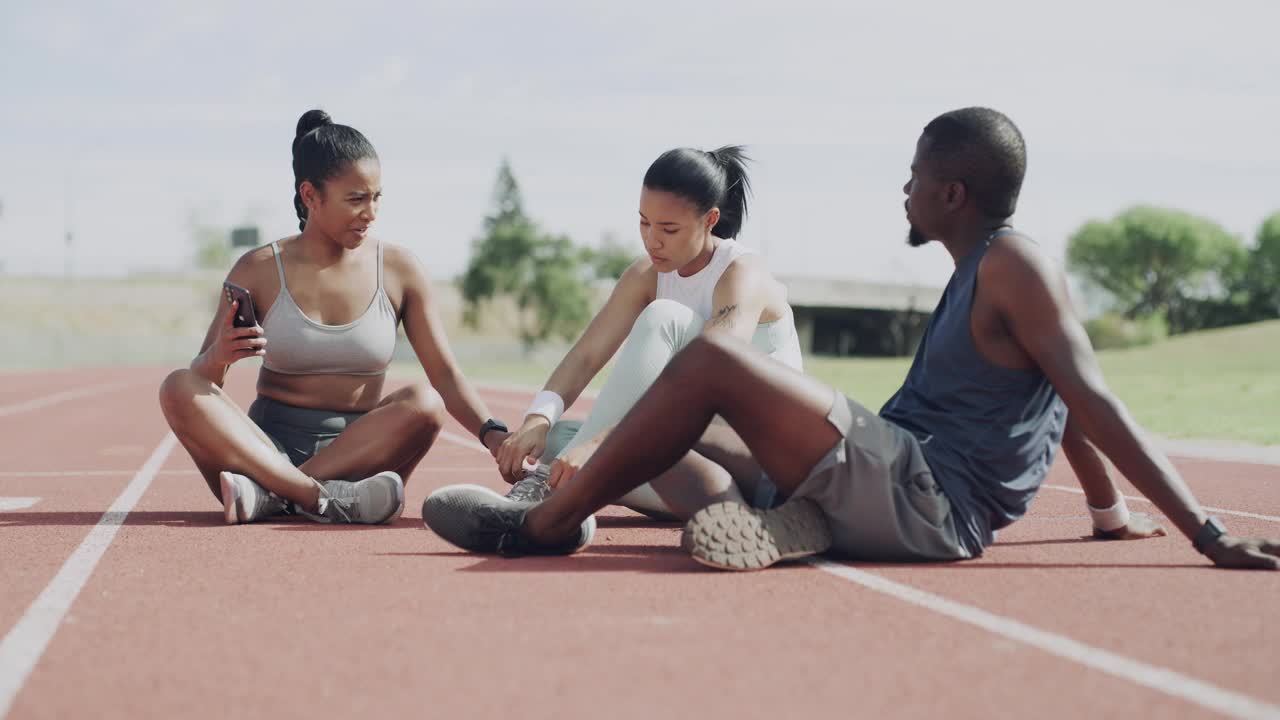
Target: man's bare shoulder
x=1021, y=283
x=1015, y=260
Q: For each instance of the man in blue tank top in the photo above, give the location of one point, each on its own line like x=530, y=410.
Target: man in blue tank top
x=956, y=454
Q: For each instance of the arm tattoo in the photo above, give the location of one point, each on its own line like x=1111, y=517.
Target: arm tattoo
x=724, y=317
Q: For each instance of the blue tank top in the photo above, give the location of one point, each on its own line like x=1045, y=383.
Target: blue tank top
x=988, y=433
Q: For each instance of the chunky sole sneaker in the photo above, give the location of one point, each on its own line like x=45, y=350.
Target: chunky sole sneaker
x=245, y=501
x=480, y=520
x=733, y=536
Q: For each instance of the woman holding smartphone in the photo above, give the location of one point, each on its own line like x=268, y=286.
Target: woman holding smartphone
x=321, y=439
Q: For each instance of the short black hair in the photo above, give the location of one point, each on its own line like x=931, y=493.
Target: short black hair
x=706, y=179
x=983, y=149
x=321, y=150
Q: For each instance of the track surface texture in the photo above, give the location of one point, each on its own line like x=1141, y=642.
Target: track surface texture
x=123, y=595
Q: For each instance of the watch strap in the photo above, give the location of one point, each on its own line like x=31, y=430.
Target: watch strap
x=488, y=425
x=1209, y=532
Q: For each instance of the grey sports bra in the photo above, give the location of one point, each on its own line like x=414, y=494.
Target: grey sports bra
x=298, y=345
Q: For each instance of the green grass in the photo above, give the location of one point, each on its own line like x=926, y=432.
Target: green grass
x=494, y=368
x=1219, y=384
x=870, y=381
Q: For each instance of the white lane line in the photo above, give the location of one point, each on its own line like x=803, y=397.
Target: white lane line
x=525, y=389
x=1139, y=498
x=65, y=395
x=26, y=642
x=507, y=387
x=466, y=442
x=1220, y=451
x=84, y=473
x=1157, y=678
x=17, y=503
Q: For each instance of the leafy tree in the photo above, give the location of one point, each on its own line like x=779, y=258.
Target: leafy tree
x=500, y=260
x=557, y=300
x=611, y=259
x=1260, y=279
x=543, y=274
x=1156, y=261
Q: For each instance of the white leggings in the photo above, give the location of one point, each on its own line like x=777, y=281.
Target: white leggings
x=663, y=329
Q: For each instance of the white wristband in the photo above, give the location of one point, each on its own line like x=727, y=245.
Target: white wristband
x=548, y=404
x=1112, y=518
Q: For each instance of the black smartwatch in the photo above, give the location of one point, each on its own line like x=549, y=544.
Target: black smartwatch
x=1209, y=533
x=488, y=425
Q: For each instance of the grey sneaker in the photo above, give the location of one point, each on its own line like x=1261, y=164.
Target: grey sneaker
x=374, y=500
x=733, y=536
x=533, y=486
x=480, y=520
x=244, y=501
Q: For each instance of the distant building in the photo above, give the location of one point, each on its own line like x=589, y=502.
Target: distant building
x=245, y=237
x=855, y=317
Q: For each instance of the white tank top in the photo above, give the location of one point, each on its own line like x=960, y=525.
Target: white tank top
x=777, y=339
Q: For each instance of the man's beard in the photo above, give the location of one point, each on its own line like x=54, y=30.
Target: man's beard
x=915, y=238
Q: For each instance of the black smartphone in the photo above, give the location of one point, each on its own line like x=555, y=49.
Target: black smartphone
x=245, y=316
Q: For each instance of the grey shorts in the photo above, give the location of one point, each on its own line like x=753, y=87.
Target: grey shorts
x=299, y=433
x=878, y=493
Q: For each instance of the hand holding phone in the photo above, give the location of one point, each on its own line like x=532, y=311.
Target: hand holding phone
x=240, y=336
x=244, y=314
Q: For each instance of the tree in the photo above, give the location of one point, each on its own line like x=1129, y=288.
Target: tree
x=611, y=259
x=1260, y=279
x=543, y=274
x=557, y=299
x=1157, y=261
x=500, y=260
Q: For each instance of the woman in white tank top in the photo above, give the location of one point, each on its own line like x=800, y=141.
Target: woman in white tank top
x=327, y=305
x=693, y=278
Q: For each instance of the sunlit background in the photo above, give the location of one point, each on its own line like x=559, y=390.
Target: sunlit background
x=123, y=126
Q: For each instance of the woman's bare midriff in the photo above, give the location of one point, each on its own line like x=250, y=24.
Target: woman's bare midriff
x=339, y=393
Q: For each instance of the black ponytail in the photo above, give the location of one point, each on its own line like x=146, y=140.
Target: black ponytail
x=322, y=149
x=706, y=179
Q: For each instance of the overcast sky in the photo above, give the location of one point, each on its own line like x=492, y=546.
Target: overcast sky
x=123, y=120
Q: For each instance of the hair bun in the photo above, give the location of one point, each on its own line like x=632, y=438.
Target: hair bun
x=311, y=120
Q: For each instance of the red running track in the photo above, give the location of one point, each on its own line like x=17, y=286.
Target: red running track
x=173, y=614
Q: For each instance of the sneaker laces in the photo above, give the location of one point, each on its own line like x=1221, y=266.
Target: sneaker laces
x=270, y=504
x=533, y=487
x=339, y=504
